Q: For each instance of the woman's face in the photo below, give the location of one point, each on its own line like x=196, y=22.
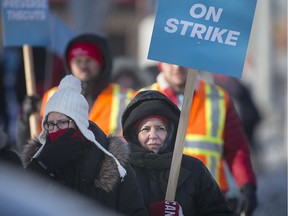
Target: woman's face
x=151, y=134
x=57, y=121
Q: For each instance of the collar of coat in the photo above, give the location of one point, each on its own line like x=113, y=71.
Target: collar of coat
x=108, y=175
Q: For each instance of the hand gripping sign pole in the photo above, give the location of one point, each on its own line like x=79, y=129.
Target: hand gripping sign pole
x=30, y=87
x=181, y=134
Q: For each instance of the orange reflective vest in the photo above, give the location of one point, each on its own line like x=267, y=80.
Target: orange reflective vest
x=107, y=110
x=205, y=131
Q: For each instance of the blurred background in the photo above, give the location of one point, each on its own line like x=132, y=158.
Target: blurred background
x=128, y=26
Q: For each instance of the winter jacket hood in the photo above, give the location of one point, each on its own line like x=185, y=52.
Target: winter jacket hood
x=147, y=103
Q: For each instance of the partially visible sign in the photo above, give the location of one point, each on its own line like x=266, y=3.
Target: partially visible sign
x=25, y=22
x=61, y=34
x=207, y=35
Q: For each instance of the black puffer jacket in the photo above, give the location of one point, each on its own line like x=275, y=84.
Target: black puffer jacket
x=98, y=176
x=197, y=192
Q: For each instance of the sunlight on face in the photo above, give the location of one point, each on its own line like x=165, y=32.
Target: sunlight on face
x=152, y=133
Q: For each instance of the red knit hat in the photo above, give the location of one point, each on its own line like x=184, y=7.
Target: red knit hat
x=85, y=49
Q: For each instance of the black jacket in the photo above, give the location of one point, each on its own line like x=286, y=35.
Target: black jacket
x=197, y=192
x=98, y=176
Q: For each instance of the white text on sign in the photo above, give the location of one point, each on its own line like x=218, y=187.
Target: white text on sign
x=200, y=31
x=25, y=10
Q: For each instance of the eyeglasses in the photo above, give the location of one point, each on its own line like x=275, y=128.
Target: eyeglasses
x=49, y=126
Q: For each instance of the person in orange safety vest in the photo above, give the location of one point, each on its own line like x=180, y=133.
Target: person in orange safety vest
x=88, y=58
x=214, y=132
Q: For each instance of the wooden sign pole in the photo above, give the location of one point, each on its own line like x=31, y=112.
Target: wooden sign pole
x=181, y=134
x=30, y=87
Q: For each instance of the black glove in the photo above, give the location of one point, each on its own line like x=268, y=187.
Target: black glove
x=30, y=105
x=64, y=149
x=249, y=198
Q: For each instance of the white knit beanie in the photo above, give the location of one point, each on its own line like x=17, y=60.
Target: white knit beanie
x=68, y=100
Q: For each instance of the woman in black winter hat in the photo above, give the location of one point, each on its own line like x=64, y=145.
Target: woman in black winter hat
x=150, y=123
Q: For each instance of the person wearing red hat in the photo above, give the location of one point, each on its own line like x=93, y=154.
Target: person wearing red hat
x=81, y=53
x=88, y=57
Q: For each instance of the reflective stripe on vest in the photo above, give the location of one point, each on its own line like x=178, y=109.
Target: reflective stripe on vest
x=154, y=86
x=210, y=145
x=107, y=110
x=119, y=102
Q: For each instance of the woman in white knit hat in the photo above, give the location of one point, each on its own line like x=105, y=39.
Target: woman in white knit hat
x=74, y=151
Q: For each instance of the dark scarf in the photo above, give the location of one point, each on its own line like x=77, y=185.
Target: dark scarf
x=161, y=163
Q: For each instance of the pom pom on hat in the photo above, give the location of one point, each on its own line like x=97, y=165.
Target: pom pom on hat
x=69, y=101
x=72, y=83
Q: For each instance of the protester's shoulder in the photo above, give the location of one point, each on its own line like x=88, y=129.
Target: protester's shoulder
x=190, y=162
x=113, y=143
x=214, y=86
x=109, y=174
x=119, y=148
